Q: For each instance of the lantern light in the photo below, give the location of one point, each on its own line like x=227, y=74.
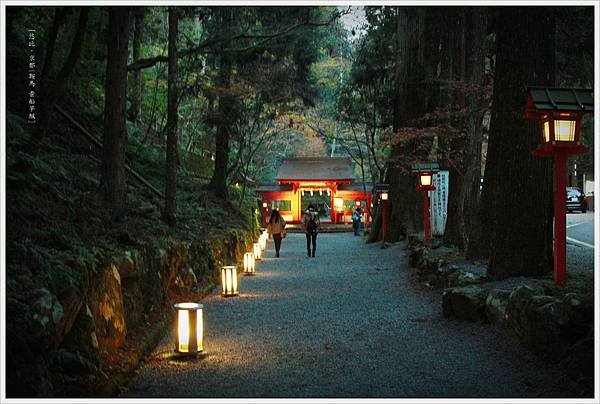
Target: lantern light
x=249, y=265
x=262, y=241
x=189, y=328
x=384, y=196
x=357, y=204
x=264, y=205
x=328, y=192
x=339, y=203
x=229, y=281
x=311, y=192
x=559, y=112
x=302, y=192
x=257, y=252
x=320, y=192
x=425, y=179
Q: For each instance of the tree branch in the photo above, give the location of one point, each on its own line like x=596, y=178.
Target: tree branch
x=149, y=62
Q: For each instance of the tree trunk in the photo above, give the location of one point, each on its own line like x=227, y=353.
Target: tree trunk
x=516, y=209
x=469, y=192
x=465, y=173
x=171, y=174
x=115, y=132
x=136, y=76
x=409, y=104
x=452, y=96
x=218, y=182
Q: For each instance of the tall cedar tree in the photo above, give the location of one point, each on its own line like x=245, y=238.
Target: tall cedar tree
x=465, y=63
x=516, y=205
x=409, y=104
x=115, y=131
x=218, y=182
x=171, y=174
x=135, y=91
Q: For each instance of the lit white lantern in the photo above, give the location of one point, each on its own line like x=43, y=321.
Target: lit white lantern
x=249, y=267
x=257, y=252
x=229, y=280
x=189, y=328
x=263, y=242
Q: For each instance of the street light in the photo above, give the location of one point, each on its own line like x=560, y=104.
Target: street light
x=425, y=172
x=559, y=112
x=229, y=281
x=189, y=328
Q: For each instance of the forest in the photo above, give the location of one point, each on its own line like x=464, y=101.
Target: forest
x=146, y=126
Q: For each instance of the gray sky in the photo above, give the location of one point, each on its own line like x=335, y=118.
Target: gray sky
x=355, y=19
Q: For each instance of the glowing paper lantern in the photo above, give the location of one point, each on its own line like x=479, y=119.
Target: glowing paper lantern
x=249, y=264
x=189, y=328
x=229, y=280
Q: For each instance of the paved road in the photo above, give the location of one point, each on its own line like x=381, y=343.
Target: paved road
x=580, y=242
x=580, y=227
x=348, y=323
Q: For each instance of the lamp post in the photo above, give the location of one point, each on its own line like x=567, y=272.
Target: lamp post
x=425, y=172
x=384, y=202
x=558, y=112
x=383, y=190
x=264, y=214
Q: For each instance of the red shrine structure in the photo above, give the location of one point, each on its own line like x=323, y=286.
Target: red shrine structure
x=326, y=182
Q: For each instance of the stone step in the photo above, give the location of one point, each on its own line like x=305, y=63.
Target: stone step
x=327, y=228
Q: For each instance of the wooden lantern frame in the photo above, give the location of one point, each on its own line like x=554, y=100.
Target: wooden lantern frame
x=189, y=325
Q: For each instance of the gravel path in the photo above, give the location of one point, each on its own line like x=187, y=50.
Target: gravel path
x=348, y=323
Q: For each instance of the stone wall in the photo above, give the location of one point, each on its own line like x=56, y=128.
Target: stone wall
x=87, y=342
x=557, y=323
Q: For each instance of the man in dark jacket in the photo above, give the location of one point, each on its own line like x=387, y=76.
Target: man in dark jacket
x=311, y=223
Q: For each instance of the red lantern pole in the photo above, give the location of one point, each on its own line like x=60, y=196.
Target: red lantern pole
x=384, y=223
x=426, y=220
x=560, y=221
x=264, y=215
x=559, y=112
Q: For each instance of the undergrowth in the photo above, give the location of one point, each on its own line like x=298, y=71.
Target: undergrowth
x=57, y=225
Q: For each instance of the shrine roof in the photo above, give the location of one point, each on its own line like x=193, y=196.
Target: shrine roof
x=316, y=168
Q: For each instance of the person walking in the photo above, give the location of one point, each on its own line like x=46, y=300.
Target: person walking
x=356, y=216
x=311, y=223
x=276, y=228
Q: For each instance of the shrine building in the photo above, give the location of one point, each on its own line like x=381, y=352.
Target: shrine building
x=326, y=182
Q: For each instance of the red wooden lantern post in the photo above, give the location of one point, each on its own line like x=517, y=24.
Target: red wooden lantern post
x=559, y=112
x=425, y=173
x=384, y=216
x=264, y=214
x=383, y=191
